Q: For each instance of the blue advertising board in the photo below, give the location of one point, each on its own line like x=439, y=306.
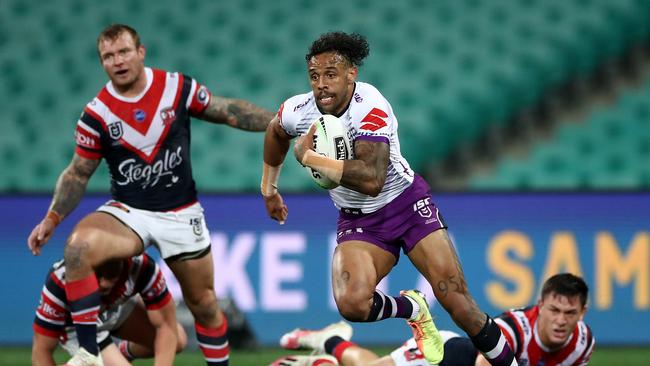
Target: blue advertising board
x=279, y=276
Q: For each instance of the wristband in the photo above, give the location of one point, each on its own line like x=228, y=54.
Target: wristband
x=54, y=216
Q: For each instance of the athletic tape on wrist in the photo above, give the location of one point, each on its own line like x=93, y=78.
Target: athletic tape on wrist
x=270, y=175
x=331, y=168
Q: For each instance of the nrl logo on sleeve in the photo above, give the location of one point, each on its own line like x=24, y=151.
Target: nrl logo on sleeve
x=115, y=130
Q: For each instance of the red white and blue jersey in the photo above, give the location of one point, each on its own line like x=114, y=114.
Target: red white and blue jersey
x=145, y=139
x=140, y=276
x=520, y=329
x=370, y=117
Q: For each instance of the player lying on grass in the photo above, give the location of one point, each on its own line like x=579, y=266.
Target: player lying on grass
x=135, y=307
x=549, y=333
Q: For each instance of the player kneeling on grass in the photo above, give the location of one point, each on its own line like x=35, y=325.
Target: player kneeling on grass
x=135, y=307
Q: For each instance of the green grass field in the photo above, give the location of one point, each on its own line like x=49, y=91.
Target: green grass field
x=20, y=356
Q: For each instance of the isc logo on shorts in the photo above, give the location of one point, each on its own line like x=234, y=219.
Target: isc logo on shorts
x=422, y=207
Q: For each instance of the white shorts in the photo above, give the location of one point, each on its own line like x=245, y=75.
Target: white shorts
x=109, y=320
x=172, y=232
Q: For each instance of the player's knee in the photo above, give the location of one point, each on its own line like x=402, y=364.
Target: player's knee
x=204, y=307
x=353, y=310
x=78, y=253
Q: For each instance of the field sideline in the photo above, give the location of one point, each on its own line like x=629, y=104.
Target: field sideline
x=20, y=356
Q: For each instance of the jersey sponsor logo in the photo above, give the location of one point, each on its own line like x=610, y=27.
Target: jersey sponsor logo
x=115, y=130
x=139, y=115
x=148, y=175
x=50, y=311
x=358, y=98
x=341, y=148
x=374, y=120
x=83, y=140
x=301, y=104
x=168, y=116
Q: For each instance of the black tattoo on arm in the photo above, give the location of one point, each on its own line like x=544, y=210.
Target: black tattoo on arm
x=72, y=183
x=367, y=172
x=237, y=113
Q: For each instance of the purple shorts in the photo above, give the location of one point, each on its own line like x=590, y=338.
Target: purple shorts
x=402, y=223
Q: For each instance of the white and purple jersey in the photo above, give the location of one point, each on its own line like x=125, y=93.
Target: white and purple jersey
x=368, y=117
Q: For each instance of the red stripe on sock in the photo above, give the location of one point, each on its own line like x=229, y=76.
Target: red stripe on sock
x=213, y=332
x=214, y=352
x=75, y=290
x=340, y=348
x=89, y=317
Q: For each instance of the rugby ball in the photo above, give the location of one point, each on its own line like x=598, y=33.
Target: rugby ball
x=331, y=140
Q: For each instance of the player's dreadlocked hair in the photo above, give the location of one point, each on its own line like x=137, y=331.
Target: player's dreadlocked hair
x=566, y=284
x=354, y=47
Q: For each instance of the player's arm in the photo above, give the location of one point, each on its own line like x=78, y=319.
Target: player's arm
x=164, y=321
x=72, y=183
x=365, y=174
x=276, y=145
x=43, y=349
x=70, y=188
x=236, y=113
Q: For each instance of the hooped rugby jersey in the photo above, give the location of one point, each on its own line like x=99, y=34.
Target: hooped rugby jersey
x=368, y=117
x=145, y=139
x=140, y=276
x=520, y=329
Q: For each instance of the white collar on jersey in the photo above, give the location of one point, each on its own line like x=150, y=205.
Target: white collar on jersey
x=543, y=346
x=148, y=74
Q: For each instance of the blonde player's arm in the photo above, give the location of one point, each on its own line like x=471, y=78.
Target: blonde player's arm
x=70, y=188
x=237, y=113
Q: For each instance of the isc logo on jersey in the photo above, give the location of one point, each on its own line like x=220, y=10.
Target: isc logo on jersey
x=331, y=140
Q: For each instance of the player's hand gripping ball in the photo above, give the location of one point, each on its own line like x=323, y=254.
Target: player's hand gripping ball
x=331, y=140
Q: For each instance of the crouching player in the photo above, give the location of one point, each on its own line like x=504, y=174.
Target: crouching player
x=136, y=307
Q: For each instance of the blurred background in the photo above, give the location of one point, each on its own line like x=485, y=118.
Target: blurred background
x=527, y=117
